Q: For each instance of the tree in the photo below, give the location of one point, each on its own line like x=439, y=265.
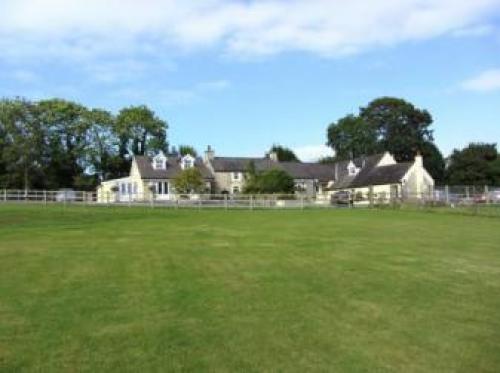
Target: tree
x=284, y=154
x=401, y=128
x=187, y=149
x=188, y=181
x=477, y=164
x=433, y=161
x=22, y=141
x=140, y=131
x=271, y=181
x=102, y=149
x=67, y=128
x=351, y=137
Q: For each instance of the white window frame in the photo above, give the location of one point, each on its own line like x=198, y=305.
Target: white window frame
x=162, y=187
x=235, y=176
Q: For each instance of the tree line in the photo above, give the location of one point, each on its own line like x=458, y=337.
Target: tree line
x=395, y=125
x=52, y=144
x=55, y=143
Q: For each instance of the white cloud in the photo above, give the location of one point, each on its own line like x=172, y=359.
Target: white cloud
x=486, y=81
x=311, y=153
x=85, y=28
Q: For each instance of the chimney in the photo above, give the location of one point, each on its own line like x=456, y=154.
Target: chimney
x=419, y=160
x=273, y=156
x=209, y=154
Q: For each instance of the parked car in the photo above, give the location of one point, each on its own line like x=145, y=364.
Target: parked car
x=343, y=197
x=67, y=195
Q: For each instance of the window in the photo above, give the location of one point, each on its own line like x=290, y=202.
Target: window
x=123, y=189
x=236, y=175
x=236, y=189
x=158, y=163
x=187, y=163
x=162, y=187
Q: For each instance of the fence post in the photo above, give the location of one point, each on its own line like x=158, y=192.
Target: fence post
x=447, y=194
x=467, y=193
x=5, y=195
x=370, y=195
x=486, y=194
x=251, y=202
x=225, y=201
x=129, y=199
x=45, y=197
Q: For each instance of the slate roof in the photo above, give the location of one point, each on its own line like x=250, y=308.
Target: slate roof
x=240, y=164
x=298, y=170
x=147, y=171
x=369, y=174
x=305, y=170
x=390, y=174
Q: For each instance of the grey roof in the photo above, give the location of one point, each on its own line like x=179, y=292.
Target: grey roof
x=304, y=170
x=147, y=171
x=369, y=173
x=240, y=164
x=390, y=174
x=298, y=170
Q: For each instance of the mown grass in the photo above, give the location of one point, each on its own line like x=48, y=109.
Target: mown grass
x=105, y=289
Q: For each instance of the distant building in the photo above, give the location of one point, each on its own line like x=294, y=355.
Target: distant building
x=378, y=175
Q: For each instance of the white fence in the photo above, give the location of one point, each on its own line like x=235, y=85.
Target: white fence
x=453, y=196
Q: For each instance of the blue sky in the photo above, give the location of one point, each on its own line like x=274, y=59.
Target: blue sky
x=242, y=75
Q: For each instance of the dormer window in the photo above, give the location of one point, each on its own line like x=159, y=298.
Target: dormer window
x=187, y=162
x=160, y=161
x=352, y=169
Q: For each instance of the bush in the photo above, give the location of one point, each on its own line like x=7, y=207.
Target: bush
x=269, y=182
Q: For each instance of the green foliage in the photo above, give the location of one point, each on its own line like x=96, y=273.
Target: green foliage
x=284, y=154
x=189, y=180
x=433, y=161
x=141, y=131
x=187, y=149
x=267, y=182
x=401, y=128
x=387, y=124
x=477, y=164
x=60, y=144
x=351, y=137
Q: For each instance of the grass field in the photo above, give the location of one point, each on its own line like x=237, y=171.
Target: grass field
x=104, y=289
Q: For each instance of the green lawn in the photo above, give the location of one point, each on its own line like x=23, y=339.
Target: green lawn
x=87, y=289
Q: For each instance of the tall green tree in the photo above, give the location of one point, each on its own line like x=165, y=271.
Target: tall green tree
x=140, y=131
x=477, y=164
x=400, y=127
x=67, y=128
x=351, y=137
x=22, y=150
x=284, y=154
x=102, y=151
